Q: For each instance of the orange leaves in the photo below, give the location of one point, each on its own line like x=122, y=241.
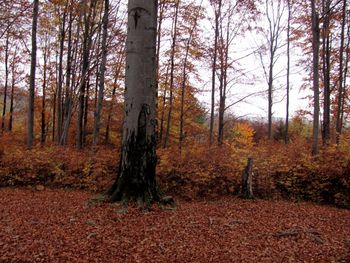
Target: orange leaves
x=56, y=225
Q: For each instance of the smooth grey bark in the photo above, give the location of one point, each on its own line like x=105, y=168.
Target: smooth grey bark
x=315, y=62
x=30, y=124
x=136, y=176
x=101, y=75
x=341, y=74
x=172, y=67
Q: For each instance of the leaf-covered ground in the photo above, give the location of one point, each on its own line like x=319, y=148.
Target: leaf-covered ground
x=60, y=226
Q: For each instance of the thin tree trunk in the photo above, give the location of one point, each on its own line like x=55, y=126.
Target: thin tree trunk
x=326, y=73
x=12, y=90
x=183, y=86
x=212, y=110
x=60, y=75
x=43, y=102
x=341, y=73
x=161, y=130
x=172, y=61
x=102, y=75
x=315, y=52
x=30, y=125
x=84, y=75
x=286, y=138
x=6, y=83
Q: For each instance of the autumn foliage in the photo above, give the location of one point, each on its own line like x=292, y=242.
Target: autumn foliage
x=280, y=171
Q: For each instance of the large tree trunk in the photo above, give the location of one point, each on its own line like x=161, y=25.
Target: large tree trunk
x=315, y=52
x=136, y=177
x=101, y=75
x=30, y=125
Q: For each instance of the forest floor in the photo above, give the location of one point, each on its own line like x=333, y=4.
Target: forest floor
x=60, y=226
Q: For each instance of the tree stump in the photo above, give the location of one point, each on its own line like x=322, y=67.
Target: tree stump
x=247, y=178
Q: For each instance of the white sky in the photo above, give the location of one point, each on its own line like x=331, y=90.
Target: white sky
x=256, y=106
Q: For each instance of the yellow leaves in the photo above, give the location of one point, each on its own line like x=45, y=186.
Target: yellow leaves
x=243, y=135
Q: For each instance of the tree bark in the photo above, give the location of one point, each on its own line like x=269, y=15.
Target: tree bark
x=43, y=101
x=315, y=52
x=286, y=136
x=6, y=83
x=102, y=75
x=30, y=125
x=247, y=180
x=341, y=74
x=326, y=73
x=216, y=36
x=13, y=66
x=60, y=75
x=84, y=73
x=172, y=67
x=136, y=176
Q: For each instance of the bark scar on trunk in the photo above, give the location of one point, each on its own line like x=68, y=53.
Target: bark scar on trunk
x=136, y=13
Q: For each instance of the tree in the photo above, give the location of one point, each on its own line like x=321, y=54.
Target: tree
x=172, y=67
x=315, y=53
x=102, y=74
x=30, y=125
x=339, y=121
x=6, y=82
x=274, y=16
x=286, y=138
x=136, y=176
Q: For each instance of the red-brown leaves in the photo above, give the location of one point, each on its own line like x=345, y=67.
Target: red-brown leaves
x=59, y=226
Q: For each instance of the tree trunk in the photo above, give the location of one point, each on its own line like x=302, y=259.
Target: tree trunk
x=30, y=125
x=116, y=77
x=341, y=74
x=43, y=101
x=84, y=72
x=102, y=75
x=162, y=117
x=6, y=83
x=13, y=66
x=326, y=74
x=247, y=180
x=216, y=36
x=136, y=176
x=315, y=52
x=172, y=67
x=286, y=136
x=60, y=75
